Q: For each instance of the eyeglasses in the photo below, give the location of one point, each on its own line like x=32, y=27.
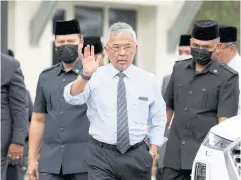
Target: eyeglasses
x=127, y=48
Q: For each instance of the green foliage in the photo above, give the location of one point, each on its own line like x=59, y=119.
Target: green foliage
x=224, y=12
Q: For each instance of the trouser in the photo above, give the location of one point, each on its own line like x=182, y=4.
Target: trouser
x=25, y=157
x=4, y=164
x=105, y=162
x=173, y=174
x=61, y=176
x=159, y=173
x=15, y=172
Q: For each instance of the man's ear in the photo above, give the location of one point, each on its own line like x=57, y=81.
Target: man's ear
x=106, y=49
x=219, y=45
x=233, y=47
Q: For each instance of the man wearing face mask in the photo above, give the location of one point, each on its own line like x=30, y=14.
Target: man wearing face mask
x=59, y=128
x=227, y=51
x=96, y=42
x=202, y=92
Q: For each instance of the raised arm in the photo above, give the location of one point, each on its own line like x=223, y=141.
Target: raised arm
x=77, y=92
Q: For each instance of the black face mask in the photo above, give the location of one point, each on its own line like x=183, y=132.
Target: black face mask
x=67, y=53
x=201, y=56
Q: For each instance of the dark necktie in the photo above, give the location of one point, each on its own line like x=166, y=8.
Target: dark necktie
x=123, y=140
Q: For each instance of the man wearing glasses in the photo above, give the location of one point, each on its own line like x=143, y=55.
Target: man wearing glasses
x=227, y=51
x=121, y=99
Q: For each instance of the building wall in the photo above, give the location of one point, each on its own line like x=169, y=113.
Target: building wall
x=33, y=59
x=152, y=24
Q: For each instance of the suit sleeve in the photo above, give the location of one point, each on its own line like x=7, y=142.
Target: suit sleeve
x=169, y=92
x=19, y=107
x=165, y=83
x=229, y=98
x=40, y=101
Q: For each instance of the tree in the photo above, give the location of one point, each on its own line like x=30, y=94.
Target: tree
x=224, y=12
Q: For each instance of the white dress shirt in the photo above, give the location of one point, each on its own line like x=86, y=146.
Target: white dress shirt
x=235, y=63
x=144, y=104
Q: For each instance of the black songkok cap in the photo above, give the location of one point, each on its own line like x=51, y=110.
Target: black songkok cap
x=205, y=30
x=228, y=34
x=67, y=27
x=95, y=41
x=185, y=40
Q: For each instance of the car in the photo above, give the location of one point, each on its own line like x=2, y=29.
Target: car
x=218, y=157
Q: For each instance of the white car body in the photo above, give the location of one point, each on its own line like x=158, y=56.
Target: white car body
x=218, y=162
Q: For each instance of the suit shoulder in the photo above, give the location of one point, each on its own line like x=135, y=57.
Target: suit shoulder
x=166, y=78
x=183, y=60
x=182, y=63
x=10, y=61
x=50, y=68
x=228, y=69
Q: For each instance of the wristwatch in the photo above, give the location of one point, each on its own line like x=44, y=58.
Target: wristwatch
x=87, y=78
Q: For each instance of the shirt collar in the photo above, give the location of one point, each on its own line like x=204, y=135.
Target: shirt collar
x=76, y=69
x=127, y=72
x=212, y=67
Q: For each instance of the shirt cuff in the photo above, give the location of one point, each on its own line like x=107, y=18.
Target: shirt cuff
x=74, y=100
x=19, y=137
x=158, y=141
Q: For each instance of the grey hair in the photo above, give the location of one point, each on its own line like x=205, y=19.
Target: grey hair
x=230, y=43
x=120, y=27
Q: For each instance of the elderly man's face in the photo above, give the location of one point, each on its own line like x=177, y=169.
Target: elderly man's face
x=184, y=50
x=224, y=51
x=121, y=50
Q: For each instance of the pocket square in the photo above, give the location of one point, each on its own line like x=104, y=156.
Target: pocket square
x=143, y=98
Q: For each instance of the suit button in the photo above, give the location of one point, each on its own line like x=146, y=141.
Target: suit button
x=184, y=126
x=183, y=142
x=190, y=92
x=64, y=80
x=62, y=112
x=185, y=109
x=61, y=129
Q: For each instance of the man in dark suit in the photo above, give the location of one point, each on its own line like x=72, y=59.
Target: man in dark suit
x=17, y=171
x=14, y=113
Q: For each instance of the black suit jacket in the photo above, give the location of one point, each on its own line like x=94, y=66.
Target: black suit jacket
x=14, y=104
